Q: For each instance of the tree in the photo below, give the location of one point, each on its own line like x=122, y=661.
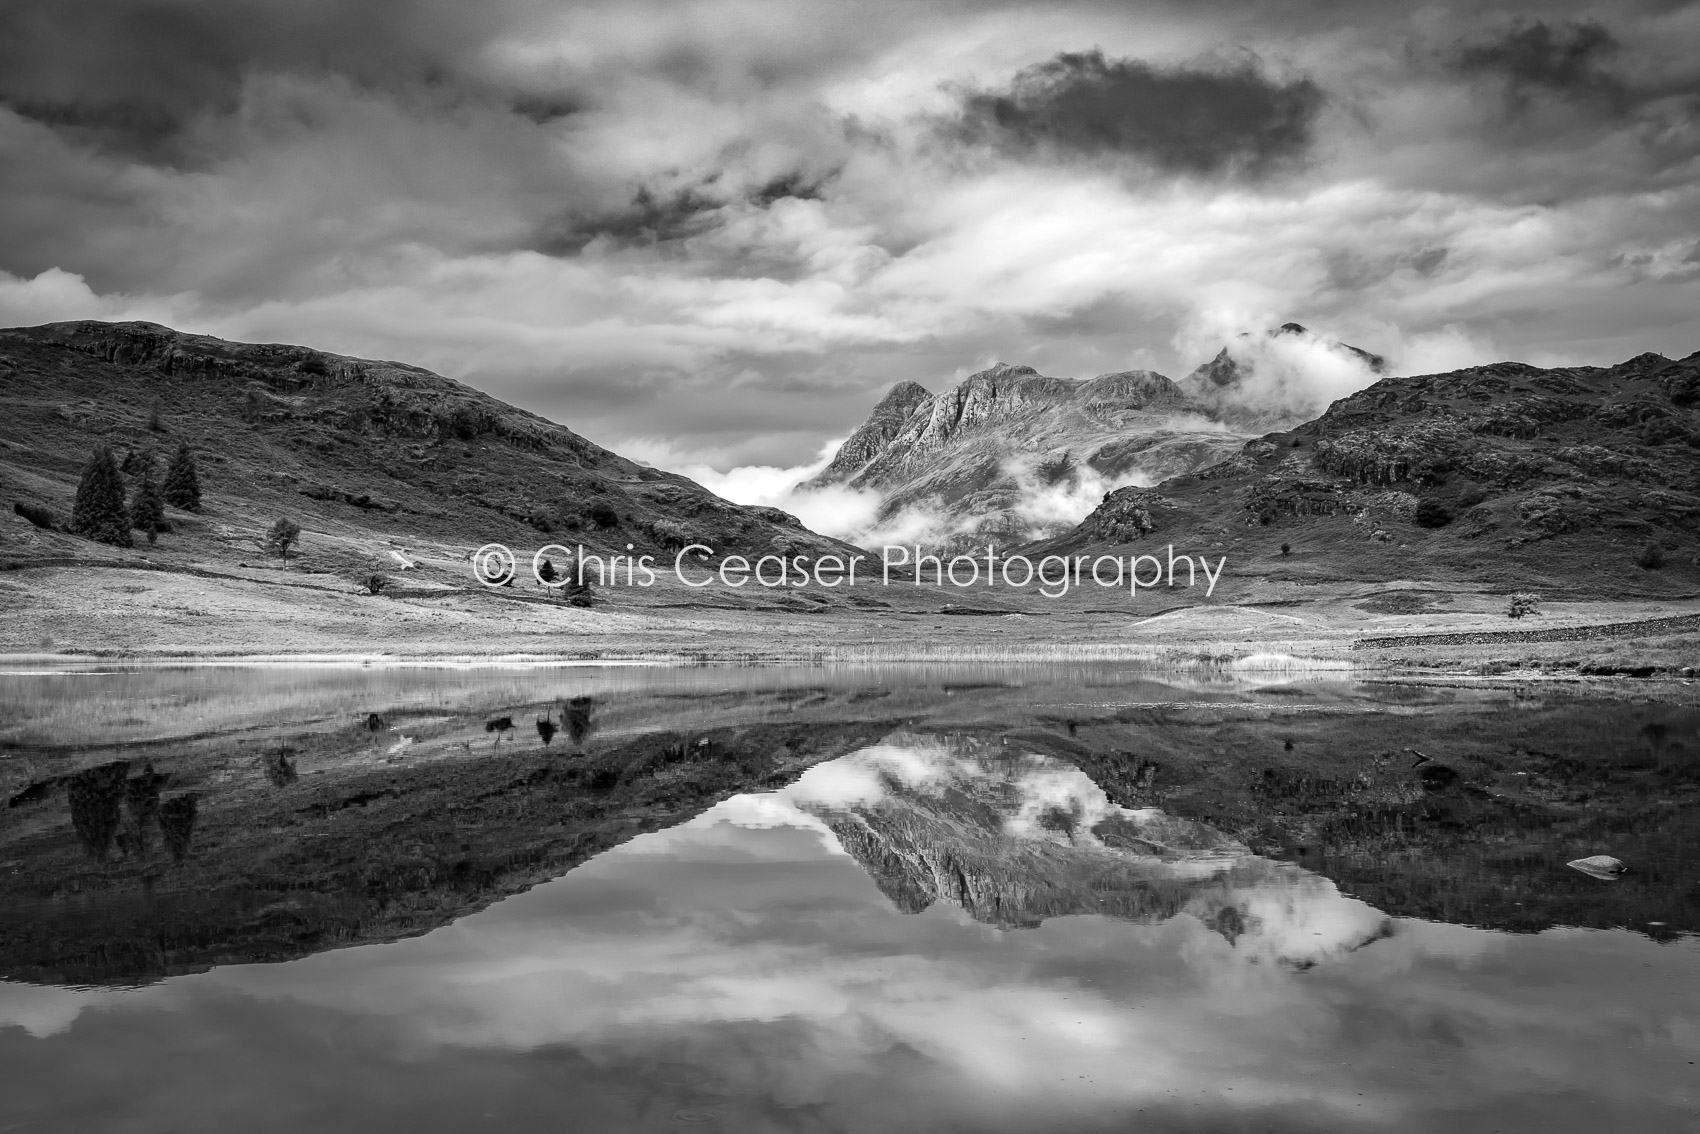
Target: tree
x=282, y=537
x=97, y=799
x=177, y=823
x=99, y=512
x=1652, y=557
x=576, y=590
x=147, y=506
x=183, y=482
x=1521, y=605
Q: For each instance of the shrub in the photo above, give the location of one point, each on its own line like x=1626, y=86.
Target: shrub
x=1521, y=605
x=375, y=583
x=99, y=512
x=1432, y=514
x=671, y=534
x=1286, y=549
x=40, y=517
x=280, y=770
x=282, y=536
x=602, y=514
x=578, y=717
x=182, y=486
x=1652, y=557
x=578, y=592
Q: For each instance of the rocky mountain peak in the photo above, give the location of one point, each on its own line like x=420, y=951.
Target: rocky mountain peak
x=873, y=435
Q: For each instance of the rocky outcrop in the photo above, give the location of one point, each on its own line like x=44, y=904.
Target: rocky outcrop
x=873, y=435
x=1124, y=516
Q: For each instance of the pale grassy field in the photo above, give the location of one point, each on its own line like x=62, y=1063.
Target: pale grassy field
x=138, y=614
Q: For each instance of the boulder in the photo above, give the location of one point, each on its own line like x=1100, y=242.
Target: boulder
x=1601, y=866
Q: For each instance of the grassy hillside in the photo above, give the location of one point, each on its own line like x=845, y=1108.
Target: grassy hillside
x=1578, y=481
x=366, y=456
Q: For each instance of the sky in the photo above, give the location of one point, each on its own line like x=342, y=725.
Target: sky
x=711, y=233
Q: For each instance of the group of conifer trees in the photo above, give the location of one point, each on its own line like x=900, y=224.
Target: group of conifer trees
x=101, y=512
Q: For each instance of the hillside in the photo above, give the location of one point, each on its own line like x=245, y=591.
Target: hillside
x=367, y=456
x=1010, y=454
x=1566, y=480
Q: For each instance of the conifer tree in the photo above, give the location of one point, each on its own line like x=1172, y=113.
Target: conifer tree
x=99, y=511
x=147, y=506
x=182, y=482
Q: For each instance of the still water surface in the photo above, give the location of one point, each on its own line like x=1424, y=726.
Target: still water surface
x=950, y=925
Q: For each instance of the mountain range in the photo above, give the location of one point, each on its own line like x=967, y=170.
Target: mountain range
x=1563, y=479
x=1009, y=454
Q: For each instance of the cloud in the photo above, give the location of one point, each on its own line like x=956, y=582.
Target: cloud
x=1187, y=119
x=834, y=510
x=1054, y=500
x=143, y=79
x=1293, y=373
x=732, y=223
x=1527, y=55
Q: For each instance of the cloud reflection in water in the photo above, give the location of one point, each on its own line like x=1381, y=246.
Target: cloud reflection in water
x=747, y=970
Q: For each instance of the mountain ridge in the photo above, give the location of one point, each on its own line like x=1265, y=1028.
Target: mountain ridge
x=1010, y=453
x=1552, y=477
x=372, y=451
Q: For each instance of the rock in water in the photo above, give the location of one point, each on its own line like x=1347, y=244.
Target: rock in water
x=1602, y=866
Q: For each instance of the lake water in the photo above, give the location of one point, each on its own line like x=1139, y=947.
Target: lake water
x=1073, y=898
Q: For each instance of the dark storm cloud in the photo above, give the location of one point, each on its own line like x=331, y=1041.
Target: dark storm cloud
x=1198, y=119
x=132, y=77
x=653, y=217
x=1532, y=55
x=649, y=218
x=545, y=109
x=794, y=184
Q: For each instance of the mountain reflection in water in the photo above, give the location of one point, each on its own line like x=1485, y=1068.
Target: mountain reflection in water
x=1013, y=838
x=936, y=932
